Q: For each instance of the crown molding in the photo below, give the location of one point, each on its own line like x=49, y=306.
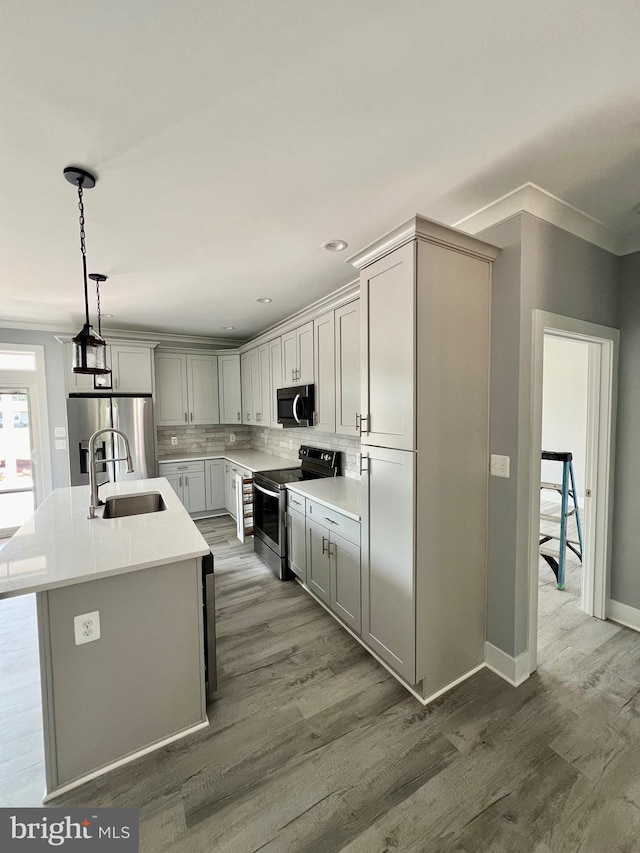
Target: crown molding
x=530, y=198
x=331, y=301
x=425, y=229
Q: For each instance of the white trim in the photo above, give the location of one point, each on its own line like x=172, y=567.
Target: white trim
x=623, y=614
x=530, y=198
x=602, y=440
x=512, y=670
x=57, y=792
x=405, y=684
x=35, y=383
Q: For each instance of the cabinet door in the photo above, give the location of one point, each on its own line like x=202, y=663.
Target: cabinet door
x=275, y=367
x=296, y=542
x=388, y=576
x=202, y=384
x=247, y=397
x=229, y=394
x=289, y=359
x=304, y=337
x=263, y=414
x=131, y=368
x=175, y=481
x=228, y=491
x=172, y=408
x=347, y=331
x=194, y=492
x=325, y=374
x=256, y=391
x=214, y=483
x=346, y=598
x=318, y=559
x=388, y=349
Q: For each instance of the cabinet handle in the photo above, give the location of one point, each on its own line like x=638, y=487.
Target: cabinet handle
x=238, y=416
x=364, y=427
x=258, y=416
x=329, y=551
x=180, y=480
x=182, y=468
x=186, y=419
x=191, y=416
x=330, y=520
x=357, y=422
x=324, y=546
x=363, y=458
x=115, y=379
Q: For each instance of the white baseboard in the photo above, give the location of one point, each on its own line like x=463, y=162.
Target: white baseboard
x=513, y=670
x=623, y=613
x=127, y=759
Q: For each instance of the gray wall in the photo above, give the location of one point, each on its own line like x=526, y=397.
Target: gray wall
x=546, y=268
x=54, y=369
x=625, y=568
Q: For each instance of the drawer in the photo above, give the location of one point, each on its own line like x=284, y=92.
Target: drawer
x=334, y=520
x=165, y=468
x=296, y=502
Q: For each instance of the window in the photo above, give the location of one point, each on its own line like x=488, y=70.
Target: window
x=17, y=360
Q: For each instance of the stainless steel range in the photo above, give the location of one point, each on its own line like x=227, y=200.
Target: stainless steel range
x=270, y=504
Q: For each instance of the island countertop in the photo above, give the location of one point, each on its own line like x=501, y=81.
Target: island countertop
x=59, y=546
x=252, y=460
x=339, y=493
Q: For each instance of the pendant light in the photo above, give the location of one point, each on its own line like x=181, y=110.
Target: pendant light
x=89, y=347
x=101, y=380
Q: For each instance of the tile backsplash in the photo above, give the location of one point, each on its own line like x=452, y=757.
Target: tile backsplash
x=201, y=439
x=286, y=442
x=279, y=442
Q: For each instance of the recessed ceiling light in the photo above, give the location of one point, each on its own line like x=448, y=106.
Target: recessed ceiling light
x=108, y=316
x=264, y=299
x=334, y=245
x=228, y=328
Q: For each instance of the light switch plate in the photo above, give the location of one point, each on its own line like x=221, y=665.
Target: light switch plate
x=61, y=443
x=500, y=465
x=86, y=627
x=60, y=432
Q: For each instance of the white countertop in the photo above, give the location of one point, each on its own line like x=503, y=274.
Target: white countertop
x=339, y=493
x=59, y=546
x=253, y=460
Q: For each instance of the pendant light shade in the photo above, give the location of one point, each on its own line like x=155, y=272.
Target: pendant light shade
x=89, y=347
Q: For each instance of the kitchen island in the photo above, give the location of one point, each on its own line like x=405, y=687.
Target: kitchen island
x=135, y=679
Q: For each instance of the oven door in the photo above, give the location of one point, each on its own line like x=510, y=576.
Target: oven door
x=268, y=516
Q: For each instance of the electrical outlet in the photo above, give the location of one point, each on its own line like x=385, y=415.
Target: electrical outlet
x=500, y=465
x=232, y=437
x=86, y=627
x=174, y=439
x=61, y=443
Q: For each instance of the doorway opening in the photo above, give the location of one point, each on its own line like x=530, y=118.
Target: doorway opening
x=16, y=470
x=573, y=411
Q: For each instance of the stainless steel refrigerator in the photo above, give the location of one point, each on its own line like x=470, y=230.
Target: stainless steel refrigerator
x=132, y=415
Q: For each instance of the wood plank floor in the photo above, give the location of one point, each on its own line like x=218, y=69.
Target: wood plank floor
x=314, y=747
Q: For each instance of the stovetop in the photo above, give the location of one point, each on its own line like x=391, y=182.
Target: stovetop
x=316, y=463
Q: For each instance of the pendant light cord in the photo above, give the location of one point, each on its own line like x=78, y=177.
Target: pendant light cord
x=83, y=249
x=98, y=307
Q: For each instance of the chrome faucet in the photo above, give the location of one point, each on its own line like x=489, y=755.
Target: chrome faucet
x=93, y=483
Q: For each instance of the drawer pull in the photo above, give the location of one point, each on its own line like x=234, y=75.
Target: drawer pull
x=330, y=520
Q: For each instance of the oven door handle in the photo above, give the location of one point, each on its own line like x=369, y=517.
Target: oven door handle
x=266, y=491
x=295, y=408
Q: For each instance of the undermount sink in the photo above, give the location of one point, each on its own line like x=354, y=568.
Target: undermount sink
x=122, y=505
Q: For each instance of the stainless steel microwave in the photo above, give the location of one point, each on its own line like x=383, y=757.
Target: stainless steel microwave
x=296, y=406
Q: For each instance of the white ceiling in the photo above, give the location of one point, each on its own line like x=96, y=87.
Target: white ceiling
x=231, y=137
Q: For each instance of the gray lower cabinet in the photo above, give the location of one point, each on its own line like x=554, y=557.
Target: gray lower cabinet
x=296, y=542
x=187, y=480
x=214, y=484
x=333, y=562
x=318, y=574
x=344, y=580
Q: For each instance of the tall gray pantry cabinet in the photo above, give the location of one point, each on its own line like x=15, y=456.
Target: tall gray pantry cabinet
x=425, y=303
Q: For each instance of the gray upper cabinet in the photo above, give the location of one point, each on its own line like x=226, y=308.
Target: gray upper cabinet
x=347, y=382
x=186, y=389
x=297, y=356
x=275, y=368
x=388, y=350
x=248, y=412
x=131, y=370
x=263, y=413
x=229, y=389
x=256, y=387
x=325, y=374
